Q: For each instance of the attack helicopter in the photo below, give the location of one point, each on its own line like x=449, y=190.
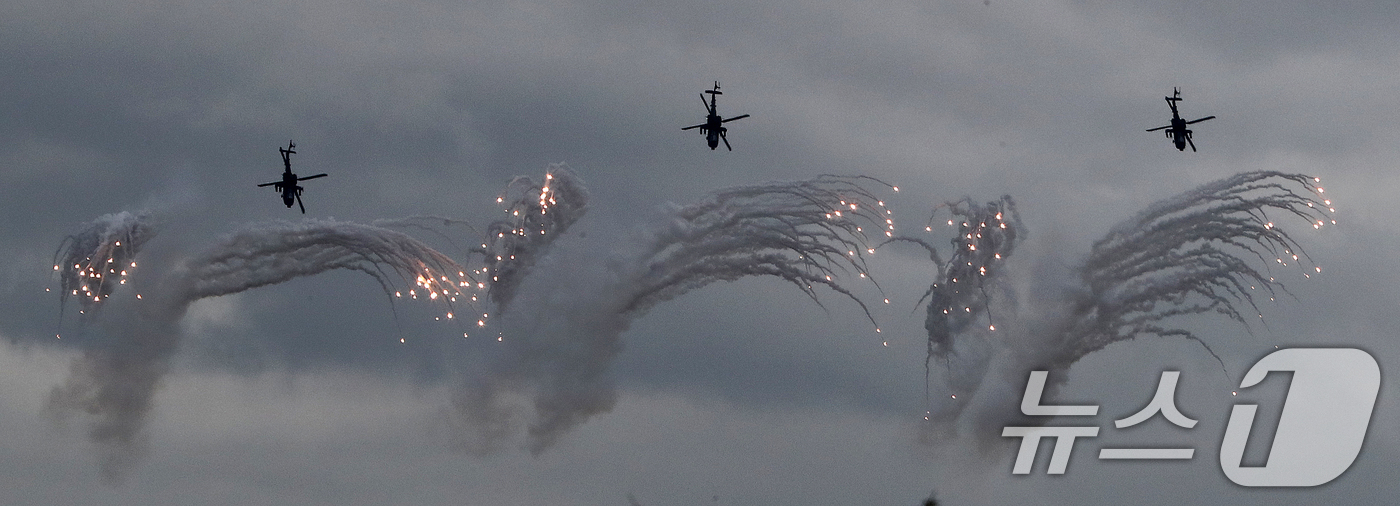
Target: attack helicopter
x=712, y=129
x=288, y=185
x=1177, y=131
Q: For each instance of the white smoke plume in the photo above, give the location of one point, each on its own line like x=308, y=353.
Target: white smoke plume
x=1213, y=249
x=536, y=213
x=806, y=233
x=112, y=385
x=563, y=330
x=569, y=302
x=1193, y=253
x=568, y=306
x=986, y=238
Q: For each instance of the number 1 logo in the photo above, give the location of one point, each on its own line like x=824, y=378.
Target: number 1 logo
x=1324, y=420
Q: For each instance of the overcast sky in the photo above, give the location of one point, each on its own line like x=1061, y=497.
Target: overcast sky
x=739, y=393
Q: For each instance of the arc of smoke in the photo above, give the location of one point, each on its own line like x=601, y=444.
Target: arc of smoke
x=806, y=233
x=1189, y=255
x=114, y=385
x=1207, y=250
x=563, y=331
x=434, y=225
x=266, y=254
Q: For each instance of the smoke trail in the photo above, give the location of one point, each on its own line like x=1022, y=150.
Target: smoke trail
x=1193, y=253
x=266, y=254
x=93, y=262
x=1190, y=254
x=563, y=330
x=436, y=225
x=113, y=385
x=986, y=238
x=806, y=233
x=538, y=213
x=958, y=297
x=569, y=301
x=568, y=306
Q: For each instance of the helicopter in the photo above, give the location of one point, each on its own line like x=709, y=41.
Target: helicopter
x=1177, y=131
x=711, y=127
x=288, y=185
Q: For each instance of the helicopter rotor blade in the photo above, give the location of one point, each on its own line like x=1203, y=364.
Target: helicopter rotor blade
x=703, y=103
x=693, y=126
x=1200, y=120
x=1158, y=128
x=725, y=138
x=299, y=204
x=1188, y=141
x=269, y=184
x=741, y=116
x=310, y=177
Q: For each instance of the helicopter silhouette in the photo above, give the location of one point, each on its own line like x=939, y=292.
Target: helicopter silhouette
x=288, y=185
x=1177, y=131
x=711, y=127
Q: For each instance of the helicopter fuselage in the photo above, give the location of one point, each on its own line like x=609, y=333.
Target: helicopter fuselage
x=713, y=130
x=1178, y=133
x=289, y=188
